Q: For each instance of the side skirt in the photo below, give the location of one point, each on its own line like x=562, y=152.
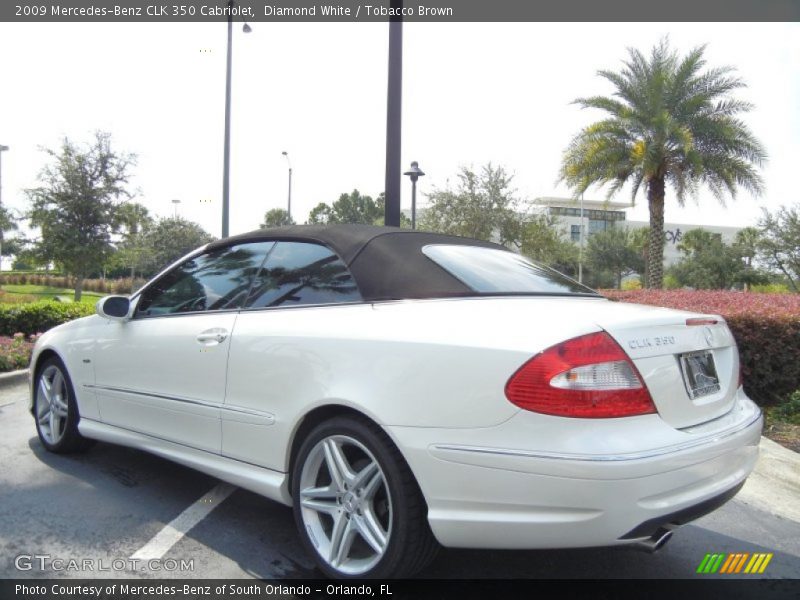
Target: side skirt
x=265, y=482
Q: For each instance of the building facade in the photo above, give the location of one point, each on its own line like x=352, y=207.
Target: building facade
x=599, y=215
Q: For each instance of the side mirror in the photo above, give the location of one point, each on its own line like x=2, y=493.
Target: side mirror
x=115, y=308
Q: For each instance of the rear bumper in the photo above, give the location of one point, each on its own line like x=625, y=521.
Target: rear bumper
x=483, y=495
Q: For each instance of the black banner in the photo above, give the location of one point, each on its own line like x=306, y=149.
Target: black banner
x=412, y=10
x=217, y=589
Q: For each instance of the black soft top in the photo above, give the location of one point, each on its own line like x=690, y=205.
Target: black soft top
x=386, y=262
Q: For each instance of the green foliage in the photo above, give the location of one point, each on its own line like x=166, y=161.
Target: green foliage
x=541, y=241
x=482, y=206
x=349, y=208
x=133, y=253
x=171, y=238
x=779, y=243
x=76, y=202
x=277, y=217
x=770, y=288
x=788, y=411
x=634, y=283
x=614, y=251
x=670, y=122
x=38, y=317
x=708, y=263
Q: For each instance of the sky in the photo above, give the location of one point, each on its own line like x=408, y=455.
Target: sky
x=472, y=93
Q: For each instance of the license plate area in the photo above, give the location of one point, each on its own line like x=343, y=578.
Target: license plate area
x=699, y=374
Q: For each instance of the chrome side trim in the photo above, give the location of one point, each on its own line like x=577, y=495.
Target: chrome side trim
x=235, y=409
x=601, y=457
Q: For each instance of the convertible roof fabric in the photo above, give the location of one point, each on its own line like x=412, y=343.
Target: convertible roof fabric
x=386, y=262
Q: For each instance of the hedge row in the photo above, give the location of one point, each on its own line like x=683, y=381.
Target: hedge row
x=102, y=286
x=766, y=328
x=38, y=317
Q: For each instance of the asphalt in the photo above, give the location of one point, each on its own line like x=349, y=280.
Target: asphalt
x=107, y=503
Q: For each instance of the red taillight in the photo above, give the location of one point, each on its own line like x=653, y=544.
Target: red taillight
x=587, y=376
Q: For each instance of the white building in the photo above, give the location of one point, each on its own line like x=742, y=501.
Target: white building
x=599, y=215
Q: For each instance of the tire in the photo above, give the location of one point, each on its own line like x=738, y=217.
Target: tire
x=357, y=506
x=56, y=411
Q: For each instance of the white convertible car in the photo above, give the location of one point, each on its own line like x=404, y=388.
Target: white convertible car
x=403, y=390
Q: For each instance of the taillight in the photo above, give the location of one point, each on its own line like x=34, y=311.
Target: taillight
x=587, y=376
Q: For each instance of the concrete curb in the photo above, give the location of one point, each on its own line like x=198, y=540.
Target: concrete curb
x=774, y=485
x=13, y=378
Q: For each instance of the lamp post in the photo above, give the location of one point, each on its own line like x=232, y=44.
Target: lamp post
x=175, y=202
x=226, y=167
x=580, y=251
x=289, y=201
x=414, y=173
x=2, y=149
x=394, y=113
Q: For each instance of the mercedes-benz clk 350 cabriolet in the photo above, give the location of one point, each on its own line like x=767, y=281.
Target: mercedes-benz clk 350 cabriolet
x=404, y=390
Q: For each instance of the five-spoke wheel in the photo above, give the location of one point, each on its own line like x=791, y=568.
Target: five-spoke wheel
x=55, y=410
x=356, y=503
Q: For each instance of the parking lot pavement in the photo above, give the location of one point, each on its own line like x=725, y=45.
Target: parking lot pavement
x=105, y=505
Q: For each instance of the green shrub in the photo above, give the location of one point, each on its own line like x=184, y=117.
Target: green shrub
x=38, y=317
x=770, y=288
x=789, y=411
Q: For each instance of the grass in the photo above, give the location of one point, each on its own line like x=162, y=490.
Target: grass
x=28, y=293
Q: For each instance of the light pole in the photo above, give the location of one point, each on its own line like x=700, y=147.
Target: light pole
x=394, y=113
x=289, y=202
x=226, y=167
x=580, y=251
x=175, y=202
x=414, y=173
x=2, y=149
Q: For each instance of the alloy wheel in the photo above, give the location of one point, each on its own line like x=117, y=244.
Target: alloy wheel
x=52, y=404
x=345, y=504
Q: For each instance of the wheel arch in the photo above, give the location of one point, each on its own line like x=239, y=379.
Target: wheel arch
x=322, y=413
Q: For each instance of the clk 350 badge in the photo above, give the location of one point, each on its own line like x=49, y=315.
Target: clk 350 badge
x=659, y=340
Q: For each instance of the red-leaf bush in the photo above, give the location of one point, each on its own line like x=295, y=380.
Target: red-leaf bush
x=766, y=328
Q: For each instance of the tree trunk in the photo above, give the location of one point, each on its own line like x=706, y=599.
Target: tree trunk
x=78, y=287
x=655, y=247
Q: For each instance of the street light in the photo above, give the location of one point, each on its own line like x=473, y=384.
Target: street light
x=2, y=149
x=414, y=173
x=289, y=203
x=226, y=168
x=580, y=251
x=175, y=201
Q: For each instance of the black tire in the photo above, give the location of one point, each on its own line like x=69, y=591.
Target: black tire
x=397, y=506
x=66, y=437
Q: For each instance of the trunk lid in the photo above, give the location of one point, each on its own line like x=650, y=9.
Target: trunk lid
x=688, y=361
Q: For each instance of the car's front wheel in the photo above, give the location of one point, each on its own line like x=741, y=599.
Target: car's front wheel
x=55, y=409
x=357, y=506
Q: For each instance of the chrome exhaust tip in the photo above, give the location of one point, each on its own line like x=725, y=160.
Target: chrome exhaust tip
x=655, y=542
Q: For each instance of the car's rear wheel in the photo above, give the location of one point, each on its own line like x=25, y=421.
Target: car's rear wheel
x=55, y=409
x=357, y=506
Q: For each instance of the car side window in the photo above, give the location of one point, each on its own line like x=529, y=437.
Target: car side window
x=298, y=273
x=216, y=280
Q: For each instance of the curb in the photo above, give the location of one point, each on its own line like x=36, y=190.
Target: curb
x=774, y=485
x=13, y=378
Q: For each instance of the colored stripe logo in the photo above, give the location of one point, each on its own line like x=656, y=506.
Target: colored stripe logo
x=737, y=562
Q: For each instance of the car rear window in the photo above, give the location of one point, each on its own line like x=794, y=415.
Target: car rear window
x=490, y=271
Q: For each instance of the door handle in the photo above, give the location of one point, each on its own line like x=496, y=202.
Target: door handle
x=209, y=337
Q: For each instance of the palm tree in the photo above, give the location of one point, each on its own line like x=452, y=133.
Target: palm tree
x=669, y=122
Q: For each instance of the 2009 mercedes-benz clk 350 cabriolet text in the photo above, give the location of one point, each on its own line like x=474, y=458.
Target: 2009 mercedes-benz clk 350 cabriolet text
x=403, y=390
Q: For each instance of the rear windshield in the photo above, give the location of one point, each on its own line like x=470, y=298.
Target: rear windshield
x=490, y=271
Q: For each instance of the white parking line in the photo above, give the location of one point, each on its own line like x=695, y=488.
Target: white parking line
x=173, y=531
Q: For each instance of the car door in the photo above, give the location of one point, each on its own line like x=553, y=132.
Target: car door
x=274, y=350
x=163, y=372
